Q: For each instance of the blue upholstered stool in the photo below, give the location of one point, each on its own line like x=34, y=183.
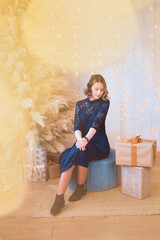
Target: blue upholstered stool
x=102, y=174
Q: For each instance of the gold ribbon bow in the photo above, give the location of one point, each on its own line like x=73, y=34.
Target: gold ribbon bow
x=134, y=140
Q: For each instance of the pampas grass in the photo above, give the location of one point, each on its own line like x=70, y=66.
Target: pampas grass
x=35, y=105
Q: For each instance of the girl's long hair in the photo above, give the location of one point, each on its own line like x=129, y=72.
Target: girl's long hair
x=93, y=79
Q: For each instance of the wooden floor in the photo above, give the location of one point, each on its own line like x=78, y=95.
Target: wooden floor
x=19, y=224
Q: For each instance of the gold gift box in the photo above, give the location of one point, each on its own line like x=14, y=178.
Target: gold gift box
x=53, y=170
x=136, y=152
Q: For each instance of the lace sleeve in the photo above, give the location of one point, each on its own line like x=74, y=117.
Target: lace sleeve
x=77, y=121
x=101, y=115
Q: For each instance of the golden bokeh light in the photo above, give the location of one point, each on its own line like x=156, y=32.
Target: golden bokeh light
x=142, y=3
x=51, y=28
x=12, y=140
x=12, y=188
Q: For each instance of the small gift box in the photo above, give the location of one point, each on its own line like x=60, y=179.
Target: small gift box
x=53, y=170
x=136, y=181
x=35, y=164
x=136, y=152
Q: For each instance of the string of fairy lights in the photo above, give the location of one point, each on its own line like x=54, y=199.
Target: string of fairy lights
x=152, y=55
x=141, y=69
x=120, y=77
x=157, y=80
x=76, y=47
x=97, y=55
x=154, y=129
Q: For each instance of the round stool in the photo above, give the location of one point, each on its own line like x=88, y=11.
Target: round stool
x=102, y=174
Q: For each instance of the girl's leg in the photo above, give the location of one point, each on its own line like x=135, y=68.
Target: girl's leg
x=80, y=189
x=64, y=180
x=59, y=201
x=82, y=174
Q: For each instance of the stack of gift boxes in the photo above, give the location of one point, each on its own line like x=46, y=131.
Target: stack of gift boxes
x=137, y=157
x=36, y=167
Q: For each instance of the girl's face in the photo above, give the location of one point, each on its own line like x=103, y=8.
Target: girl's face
x=97, y=90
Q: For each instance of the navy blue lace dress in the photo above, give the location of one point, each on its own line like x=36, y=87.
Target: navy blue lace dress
x=88, y=114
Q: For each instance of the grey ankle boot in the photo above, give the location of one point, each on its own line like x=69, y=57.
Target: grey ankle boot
x=58, y=204
x=78, y=193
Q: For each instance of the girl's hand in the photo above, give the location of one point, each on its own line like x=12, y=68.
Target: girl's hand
x=83, y=149
x=78, y=141
x=81, y=144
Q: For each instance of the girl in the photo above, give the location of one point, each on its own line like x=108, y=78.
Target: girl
x=92, y=142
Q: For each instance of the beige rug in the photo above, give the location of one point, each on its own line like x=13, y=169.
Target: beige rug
x=104, y=203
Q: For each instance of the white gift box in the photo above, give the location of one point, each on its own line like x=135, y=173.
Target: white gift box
x=136, y=181
x=35, y=164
